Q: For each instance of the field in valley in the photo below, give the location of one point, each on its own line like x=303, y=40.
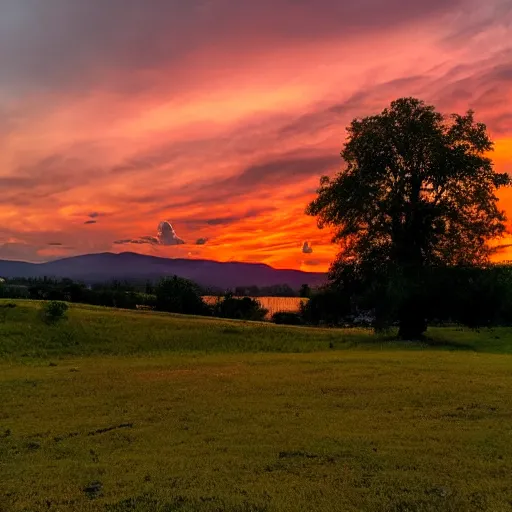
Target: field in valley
x=121, y=411
x=272, y=304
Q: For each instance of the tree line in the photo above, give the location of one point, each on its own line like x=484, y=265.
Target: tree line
x=463, y=295
x=173, y=295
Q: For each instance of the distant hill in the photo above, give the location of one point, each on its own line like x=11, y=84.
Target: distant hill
x=92, y=268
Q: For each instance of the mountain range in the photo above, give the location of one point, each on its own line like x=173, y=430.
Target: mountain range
x=91, y=268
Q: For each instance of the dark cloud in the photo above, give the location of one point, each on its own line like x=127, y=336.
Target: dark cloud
x=90, y=222
x=233, y=219
x=314, y=263
x=124, y=241
x=43, y=44
x=501, y=123
x=501, y=248
x=150, y=239
x=361, y=103
x=306, y=248
x=163, y=154
x=57, y=244
x=284, y=169
x=222, y=221
x=45, y=178
x=94, y=215
x=201, y=241
x=280, y=170
x=483, y=86
x=138, y=241
x=472, y=22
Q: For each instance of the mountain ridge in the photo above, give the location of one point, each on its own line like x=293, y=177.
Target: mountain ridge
x=96, y=267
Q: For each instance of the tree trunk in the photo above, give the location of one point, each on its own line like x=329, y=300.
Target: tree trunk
x=412, y=322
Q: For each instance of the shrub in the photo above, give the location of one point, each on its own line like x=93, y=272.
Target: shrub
x=239, y=309
x=305, y=291
x=54, y=311
x=178, y=295
x=327, y=307
x=287, y=318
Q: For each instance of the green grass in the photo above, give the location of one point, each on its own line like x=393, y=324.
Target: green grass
x=171, y=413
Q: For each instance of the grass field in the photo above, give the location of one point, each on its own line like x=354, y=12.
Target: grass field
x=121, y=411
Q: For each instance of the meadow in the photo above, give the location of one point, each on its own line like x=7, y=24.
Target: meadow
x=116, y=411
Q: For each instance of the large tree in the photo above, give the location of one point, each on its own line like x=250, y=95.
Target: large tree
x=417, y=190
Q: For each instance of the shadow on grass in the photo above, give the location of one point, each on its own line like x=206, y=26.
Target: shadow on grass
x=391, y=340
x=448, y=345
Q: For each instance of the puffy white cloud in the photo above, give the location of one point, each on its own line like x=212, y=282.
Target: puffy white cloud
x=166, y=234
x=306, y=248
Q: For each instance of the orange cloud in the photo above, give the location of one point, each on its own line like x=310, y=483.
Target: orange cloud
x=224, y=121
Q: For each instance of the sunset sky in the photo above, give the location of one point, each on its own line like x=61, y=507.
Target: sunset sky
x=118, y=117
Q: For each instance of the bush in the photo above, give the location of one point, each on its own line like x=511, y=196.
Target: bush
x=178, y=295
x=239, y=309
x=54, y=311
x=287, y=318
x=327, y=307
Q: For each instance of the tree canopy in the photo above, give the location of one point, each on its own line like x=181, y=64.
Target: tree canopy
x=418, y=190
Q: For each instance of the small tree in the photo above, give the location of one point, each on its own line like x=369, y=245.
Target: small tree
x=241, y=309
x=328, y=306
x=305, y=291
x=418, y=191
x=287, y=318
x=54, y=311
x=178, y=295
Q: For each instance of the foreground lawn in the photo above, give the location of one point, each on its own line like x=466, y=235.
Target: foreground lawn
x=94, y=331
x=148, y=412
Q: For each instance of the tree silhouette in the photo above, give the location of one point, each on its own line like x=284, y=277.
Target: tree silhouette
x=305, y=291
x=418, y=191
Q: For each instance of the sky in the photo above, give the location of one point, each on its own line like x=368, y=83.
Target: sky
x=200, y=129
